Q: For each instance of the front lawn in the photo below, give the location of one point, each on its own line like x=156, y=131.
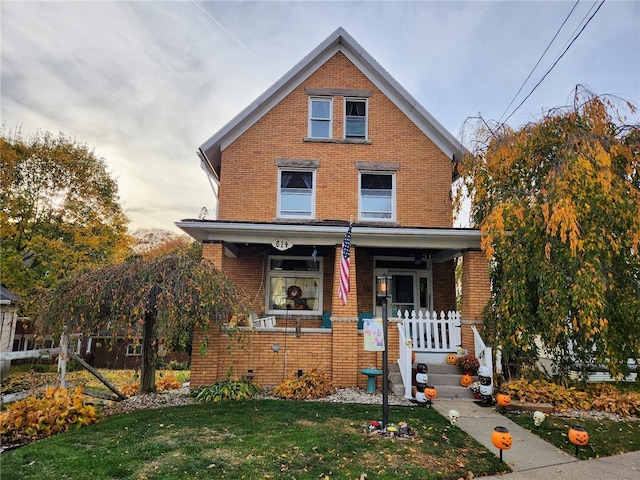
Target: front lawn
x=255, y=439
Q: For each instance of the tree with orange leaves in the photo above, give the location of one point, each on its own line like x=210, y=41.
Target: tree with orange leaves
x=558, y=205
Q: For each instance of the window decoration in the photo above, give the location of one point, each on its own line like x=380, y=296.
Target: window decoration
x=294, y=293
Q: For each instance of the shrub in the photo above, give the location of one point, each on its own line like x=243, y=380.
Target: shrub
x=57, y=410
x=308, y=386
x=227, y=390
x=168, y=383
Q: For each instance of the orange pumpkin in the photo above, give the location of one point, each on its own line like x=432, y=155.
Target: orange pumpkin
x=503, y=399
x=466, y=380
x=452, y=359
x=430, y=392
x=501, y=438
x=578, y=436
x=413, y=356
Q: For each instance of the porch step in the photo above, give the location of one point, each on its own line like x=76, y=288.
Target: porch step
x=445, y=378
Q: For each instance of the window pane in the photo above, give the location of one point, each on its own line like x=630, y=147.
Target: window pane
x=355, y=127
x=320, y=109
x=376, y=196
x=295, y=202
x=296, y=194
x=288, y=292
x=320, y=128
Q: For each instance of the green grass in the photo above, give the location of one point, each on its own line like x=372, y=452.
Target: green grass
x=255, y=439
x=606, y=437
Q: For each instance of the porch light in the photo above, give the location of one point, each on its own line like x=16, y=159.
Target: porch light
x=383, y=285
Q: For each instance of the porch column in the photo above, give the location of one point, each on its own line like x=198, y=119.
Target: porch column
x=214, y=252
x=476, y=293
x=344, y=324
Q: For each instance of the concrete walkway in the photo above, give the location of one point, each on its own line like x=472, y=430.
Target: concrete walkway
x=530, y=457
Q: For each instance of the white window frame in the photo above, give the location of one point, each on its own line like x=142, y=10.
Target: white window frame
x=312, y=214
x=366, y=117
x=134, y=349
x=328, y=100
x=361, y=214
x=306, y=275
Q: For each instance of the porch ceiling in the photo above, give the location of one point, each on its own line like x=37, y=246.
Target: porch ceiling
x=457, y=239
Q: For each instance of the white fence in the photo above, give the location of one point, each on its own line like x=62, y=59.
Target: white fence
x=430, y=332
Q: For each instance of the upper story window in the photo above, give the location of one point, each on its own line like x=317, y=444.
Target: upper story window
x=320, y=117
x=355, y=122
x=377, y=196
x=296, y=193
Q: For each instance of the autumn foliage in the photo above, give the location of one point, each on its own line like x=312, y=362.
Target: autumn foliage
x=35, y=417
x=558, y=205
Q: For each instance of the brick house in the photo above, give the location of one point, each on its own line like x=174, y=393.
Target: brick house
x=336, y=140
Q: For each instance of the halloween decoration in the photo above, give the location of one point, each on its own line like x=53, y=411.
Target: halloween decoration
x=466, y=380
x=504, y=400
x=578, y=436
x=501, y=439
x=430, y=392
x=454, y=416
x=294, y=292
x=419, y=393
x=421, y=376
x=538, y=418
x=452, y=359
x=485, y=378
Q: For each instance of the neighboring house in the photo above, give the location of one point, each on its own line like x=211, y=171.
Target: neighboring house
x=8, y=319
x=335, y=140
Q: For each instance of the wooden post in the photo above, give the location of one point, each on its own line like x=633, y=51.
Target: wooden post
x=62, y=358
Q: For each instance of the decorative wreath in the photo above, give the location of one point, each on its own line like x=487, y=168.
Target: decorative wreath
x=294, y=292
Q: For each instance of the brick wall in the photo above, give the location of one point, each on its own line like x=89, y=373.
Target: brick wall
x=476, y=292
x=249, y=174
x=444, y=286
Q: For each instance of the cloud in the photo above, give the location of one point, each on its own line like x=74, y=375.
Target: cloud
x=146, y=83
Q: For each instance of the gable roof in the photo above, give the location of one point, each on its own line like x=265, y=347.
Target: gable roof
x=339, y=41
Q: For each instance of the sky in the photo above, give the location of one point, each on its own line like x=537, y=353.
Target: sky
x=145, y=83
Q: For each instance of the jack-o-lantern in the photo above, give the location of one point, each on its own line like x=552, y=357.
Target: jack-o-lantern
x=578, y=436
x=430, y=392
x=503, y=399
x=413, y=356
x=501, y=438
x=452, y=359
x=466, y=380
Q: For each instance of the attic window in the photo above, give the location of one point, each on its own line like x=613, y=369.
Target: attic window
x=355, y=118
x=320, y=124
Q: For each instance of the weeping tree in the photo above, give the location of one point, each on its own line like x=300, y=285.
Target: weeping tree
x=153, y=297
x=558, y=205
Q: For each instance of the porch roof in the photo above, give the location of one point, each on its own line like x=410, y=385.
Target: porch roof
x=332, y=233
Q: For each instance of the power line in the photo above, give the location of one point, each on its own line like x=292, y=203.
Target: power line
x=554, y=63
x=538, y=62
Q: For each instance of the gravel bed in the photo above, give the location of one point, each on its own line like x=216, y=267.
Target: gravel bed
x=175, y=398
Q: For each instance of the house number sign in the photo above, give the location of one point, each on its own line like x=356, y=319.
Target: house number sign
x=282, y=244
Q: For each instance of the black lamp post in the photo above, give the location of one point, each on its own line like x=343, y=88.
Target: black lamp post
x=383, y=287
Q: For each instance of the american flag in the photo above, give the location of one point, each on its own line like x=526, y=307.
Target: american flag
x=345, y=263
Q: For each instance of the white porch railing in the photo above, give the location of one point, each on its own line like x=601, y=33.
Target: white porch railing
x=425, y=332
x=432, y=333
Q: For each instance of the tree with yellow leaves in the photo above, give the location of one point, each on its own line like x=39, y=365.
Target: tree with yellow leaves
x=558, y=205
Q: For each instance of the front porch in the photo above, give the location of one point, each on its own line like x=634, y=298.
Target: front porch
x=269, y=354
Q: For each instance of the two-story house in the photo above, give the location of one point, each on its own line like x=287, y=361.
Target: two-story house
x=335, y=141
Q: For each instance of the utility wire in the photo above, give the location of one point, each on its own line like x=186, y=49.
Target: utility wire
x=539, y=60
x=554, y=63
